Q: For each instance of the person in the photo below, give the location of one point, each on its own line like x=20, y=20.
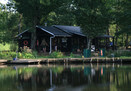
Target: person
x=43, y=45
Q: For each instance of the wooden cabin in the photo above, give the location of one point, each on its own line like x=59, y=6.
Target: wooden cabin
x=62, y=38
x=57, y=37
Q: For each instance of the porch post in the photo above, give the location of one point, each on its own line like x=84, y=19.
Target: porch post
x=51, y=44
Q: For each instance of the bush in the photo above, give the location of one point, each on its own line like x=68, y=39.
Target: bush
x=3, y=55
x=7, y=55
x=20, y=55
x=35, y=53
x=108, y=53
x=71, y=55
x=14, y=47
x=4, y=47
x=118, y=53
x=56, y=54
x=27, y=55
x=122, y=53
x=12, y=54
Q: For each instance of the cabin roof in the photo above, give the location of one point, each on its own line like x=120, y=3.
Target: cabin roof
x=70, y=29
x=59, y=30
x=54, y=31
x=22, y=32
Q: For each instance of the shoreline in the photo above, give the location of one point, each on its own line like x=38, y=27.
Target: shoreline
x=67, y=60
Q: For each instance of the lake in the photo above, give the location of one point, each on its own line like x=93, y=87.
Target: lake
x=90, y=77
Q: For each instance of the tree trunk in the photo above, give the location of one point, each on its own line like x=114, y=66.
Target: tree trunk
x=88, y=43
x=20, y=24
x=117, y=35
x=33, y=39
x=33, y=36
x=122, y=40
x=127, y=37
x=108, y=33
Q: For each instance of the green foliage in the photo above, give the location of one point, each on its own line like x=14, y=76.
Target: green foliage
x=122, y=54
x=95, y=17
x=37, y=11
x=124, y=15
x=14, y=46
x=11, y=55
x=35, y=53
x=71, y=55
x=27, y=55
x=118, y=53
x=4, y=47
x=92, y=16
x=20, y=55
x=8, y=24
x=56, y=54
x=109, y=52
x=63, y=15
x=7, y=55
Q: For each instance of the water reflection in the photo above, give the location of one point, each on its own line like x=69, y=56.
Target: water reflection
x=66, y=78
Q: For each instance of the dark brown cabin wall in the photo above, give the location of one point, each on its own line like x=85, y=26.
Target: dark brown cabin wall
x=25, y=40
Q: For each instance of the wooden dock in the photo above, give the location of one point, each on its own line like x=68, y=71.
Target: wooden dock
x=2, y=61
x=66, y=61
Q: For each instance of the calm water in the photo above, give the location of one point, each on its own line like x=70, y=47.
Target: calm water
x=66, y=78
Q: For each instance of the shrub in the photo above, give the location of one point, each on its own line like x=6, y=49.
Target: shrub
x=20, y=55
x=71, y=55
x=118, y=53
x=7, y=55
x=14, y=47
x=56, y=54
x=27, y=55
x=122, y=53
x=12, y=54
x=35, y=53
x=3, y=55
x=108, y=53
x=4, y=47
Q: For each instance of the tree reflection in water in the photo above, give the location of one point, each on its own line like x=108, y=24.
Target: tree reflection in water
x=62, y=78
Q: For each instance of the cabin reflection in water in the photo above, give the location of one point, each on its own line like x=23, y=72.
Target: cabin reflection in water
x=61, y=78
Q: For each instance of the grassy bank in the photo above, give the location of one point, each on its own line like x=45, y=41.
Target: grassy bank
x=8, y=51
x=35, y=55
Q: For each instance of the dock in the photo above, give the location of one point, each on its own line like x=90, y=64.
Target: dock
x=66, y=61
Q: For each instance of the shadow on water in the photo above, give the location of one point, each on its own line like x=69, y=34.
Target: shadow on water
x=89, y=77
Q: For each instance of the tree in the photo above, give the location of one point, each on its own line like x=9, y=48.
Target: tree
x=36, y=12
x=124, y=20
x=64, y=15
x=93, y=17
x=8, y=23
